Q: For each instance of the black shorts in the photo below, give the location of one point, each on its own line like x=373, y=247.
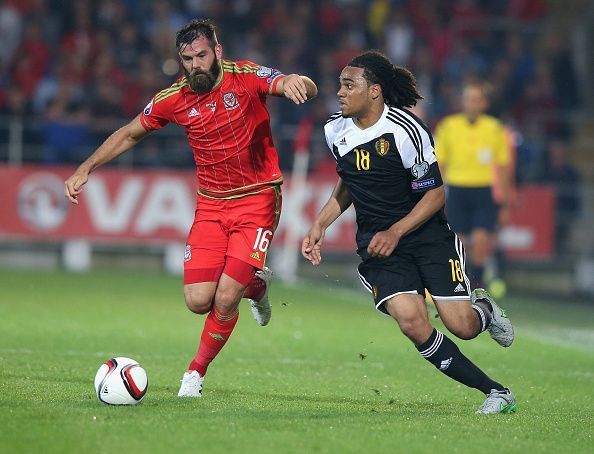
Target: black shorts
x=434, y=262
x=468, y=209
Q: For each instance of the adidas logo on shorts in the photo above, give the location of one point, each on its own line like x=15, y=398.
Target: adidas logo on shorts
x=459, y=288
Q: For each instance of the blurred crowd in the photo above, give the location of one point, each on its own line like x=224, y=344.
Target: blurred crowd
x=81, y=68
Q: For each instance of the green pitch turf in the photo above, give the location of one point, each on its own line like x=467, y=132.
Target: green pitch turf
x=327, y=375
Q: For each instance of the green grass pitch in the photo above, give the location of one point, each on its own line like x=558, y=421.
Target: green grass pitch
x=328, y=374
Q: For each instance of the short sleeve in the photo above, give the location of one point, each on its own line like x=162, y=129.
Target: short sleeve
x=260, y=79
x=154, y=116
x=418, y=157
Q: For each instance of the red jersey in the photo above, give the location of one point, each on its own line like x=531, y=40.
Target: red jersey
x=228, y=128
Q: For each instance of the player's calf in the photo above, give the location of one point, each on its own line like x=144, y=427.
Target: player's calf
x=465, y=331
x=459, y=318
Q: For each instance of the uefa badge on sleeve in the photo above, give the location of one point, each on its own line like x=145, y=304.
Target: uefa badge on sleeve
x=263, y=72
x=420, y=170
x=188, y=253
x=149, y=108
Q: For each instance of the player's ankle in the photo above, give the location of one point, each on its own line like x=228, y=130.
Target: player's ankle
x=485, y=304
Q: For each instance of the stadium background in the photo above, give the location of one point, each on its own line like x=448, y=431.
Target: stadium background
x=72, y=72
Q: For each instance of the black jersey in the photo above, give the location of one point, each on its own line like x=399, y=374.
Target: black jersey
x=386, y=169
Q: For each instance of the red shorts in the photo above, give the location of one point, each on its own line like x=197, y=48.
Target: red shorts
x=241, y=228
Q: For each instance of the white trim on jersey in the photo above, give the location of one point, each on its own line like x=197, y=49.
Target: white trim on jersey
x=412, y=140
x=417, y=133
x=397, y=117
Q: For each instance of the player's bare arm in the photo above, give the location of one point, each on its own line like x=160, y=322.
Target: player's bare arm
x=298, y=89
x=383, y=243
x=504, y=174
x=119, y=142
x=338, y=202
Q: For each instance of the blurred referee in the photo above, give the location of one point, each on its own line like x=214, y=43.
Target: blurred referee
x=474, y=155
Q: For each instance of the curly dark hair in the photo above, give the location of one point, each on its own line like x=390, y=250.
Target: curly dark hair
x=194, y=29
x=399, y=85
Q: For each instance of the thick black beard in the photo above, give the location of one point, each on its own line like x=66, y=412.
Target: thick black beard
x=203, y=81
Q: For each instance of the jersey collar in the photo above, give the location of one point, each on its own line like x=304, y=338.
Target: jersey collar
x=221, y=73
x=379, y=121
x=478, y=119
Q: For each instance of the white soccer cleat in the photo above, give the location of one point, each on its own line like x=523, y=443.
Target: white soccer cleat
x=191, y=385
x=498, y=402
x=261, y=310
x=500, y=329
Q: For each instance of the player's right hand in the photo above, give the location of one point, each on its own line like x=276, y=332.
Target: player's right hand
x=73, y=185
x=312, y=244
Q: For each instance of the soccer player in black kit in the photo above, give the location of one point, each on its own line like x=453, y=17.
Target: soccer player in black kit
x=387, y=169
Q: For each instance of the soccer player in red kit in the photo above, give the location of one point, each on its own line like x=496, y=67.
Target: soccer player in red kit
x=222, y=106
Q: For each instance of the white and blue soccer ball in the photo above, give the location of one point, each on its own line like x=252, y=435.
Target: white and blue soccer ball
x=121, y=381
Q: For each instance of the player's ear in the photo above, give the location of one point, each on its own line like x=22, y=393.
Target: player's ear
x=218, y=49
x=375, y=90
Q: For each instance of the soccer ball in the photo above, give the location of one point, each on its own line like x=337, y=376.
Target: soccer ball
x=121, y=381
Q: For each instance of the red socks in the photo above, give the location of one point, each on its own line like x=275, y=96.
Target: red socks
x=255, y=289
x=217, y=329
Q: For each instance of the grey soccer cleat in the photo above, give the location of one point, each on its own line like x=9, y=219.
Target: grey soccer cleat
x=498, y=402
x=500, y=328
x=261, y=309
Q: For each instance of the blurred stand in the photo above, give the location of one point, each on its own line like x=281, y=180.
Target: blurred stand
x=71, y=71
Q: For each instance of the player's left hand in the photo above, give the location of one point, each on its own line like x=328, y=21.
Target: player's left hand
x=383, y=244
x=294, y=88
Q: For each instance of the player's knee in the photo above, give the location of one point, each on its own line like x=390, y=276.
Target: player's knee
x=197, y=303
x=227, y=301
x=415, y=328
x=198, y=306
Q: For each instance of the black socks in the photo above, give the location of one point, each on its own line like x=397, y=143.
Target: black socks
x=484, y=311
x=447, y=357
